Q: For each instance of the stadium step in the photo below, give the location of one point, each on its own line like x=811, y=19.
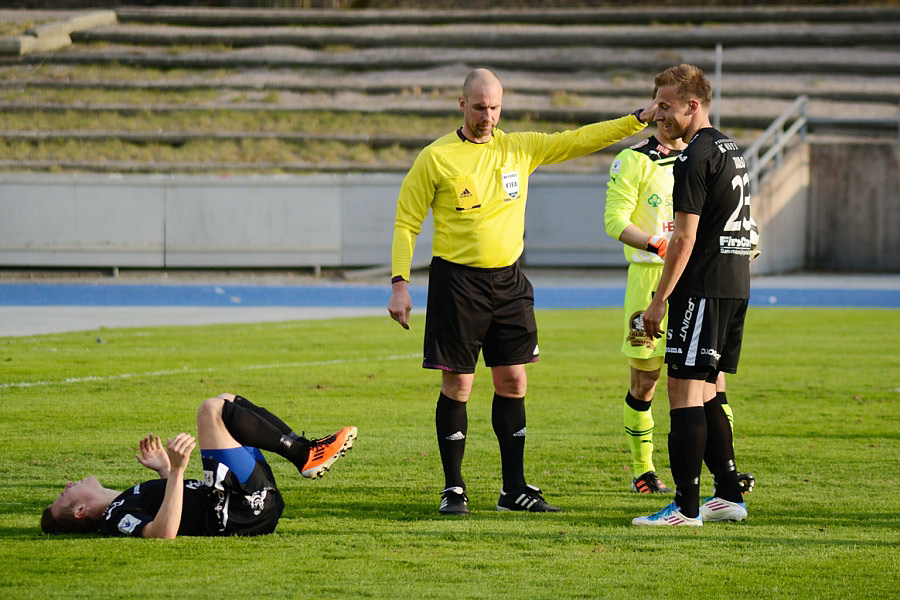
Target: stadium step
x=560, y=67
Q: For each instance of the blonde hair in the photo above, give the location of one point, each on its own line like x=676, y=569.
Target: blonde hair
x=689, y=81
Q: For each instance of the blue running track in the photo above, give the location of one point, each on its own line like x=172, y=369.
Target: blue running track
x=338, y=295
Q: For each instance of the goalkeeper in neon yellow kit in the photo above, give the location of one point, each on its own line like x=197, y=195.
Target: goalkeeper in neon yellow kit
x=639, y=214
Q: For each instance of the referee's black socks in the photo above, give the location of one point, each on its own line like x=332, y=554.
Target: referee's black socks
x=452, y=424
x=508, y=419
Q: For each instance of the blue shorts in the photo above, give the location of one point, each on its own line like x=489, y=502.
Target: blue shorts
x=241, y=460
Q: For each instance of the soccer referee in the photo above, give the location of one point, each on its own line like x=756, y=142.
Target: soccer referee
x=475, y=181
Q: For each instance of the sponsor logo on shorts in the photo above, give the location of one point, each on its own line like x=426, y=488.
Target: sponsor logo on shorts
x=710, y=352
x=686, y=320
x=256, y=501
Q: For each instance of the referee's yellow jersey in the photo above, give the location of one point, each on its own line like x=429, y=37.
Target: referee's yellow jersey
x=477, y=192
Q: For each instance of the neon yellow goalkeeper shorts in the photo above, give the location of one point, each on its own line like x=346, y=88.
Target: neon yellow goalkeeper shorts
x=642, y=281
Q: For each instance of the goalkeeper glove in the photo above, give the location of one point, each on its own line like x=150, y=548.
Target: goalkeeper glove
x=657, y=245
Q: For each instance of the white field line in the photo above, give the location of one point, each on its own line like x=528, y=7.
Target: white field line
x=91, y=378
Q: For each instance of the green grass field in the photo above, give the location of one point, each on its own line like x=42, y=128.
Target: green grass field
x=817, y=407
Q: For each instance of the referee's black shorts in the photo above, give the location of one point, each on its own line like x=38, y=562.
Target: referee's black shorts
x=704, y=336
x=472, y=309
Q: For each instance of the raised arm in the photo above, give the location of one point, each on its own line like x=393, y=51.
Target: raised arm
x=153, y=456
x=168, y=519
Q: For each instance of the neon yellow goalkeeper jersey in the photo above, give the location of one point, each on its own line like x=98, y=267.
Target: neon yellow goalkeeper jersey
x=477, y=192
x=639, y=192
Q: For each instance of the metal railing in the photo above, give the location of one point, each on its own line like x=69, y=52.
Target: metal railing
x=775, y=139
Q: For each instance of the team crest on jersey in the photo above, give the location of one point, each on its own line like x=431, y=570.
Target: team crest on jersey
x=511, y=184
x=636, y=334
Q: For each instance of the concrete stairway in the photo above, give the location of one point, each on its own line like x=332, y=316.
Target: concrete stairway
x=562, y=66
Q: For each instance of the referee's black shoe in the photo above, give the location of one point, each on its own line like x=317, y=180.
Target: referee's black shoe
x=527, y=498
x=454, y=502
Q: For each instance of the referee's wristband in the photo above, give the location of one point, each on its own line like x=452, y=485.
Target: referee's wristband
x=397, y=278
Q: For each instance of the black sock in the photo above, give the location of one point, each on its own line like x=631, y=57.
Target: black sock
x=687, y=441
x=452, y=424
x=250, y=429
x=719, y=454
x=266, y=415
x=508, y=419
x=635, y=404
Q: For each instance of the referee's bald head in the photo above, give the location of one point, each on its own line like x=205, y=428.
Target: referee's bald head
x=480, y=78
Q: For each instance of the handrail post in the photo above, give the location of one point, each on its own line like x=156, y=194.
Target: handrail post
x=718, y=81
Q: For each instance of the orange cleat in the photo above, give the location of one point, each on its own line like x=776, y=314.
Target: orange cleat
x=324, y=451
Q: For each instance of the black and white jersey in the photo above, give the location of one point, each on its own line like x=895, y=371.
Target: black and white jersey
x=711, y=180
x=130, y=512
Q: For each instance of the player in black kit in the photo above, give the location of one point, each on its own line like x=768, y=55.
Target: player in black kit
x=706, y=282
x=238, y=495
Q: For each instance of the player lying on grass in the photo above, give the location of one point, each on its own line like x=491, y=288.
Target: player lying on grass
x=238, y=495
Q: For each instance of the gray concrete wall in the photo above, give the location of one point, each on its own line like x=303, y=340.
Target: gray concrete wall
x=198, y=221
x=271, y=221
x=831, y=206
x=854, y=209
x=780, y=209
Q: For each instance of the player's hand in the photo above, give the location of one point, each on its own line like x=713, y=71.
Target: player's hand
x=653, y=318
x=657, y=245
x=179, y=451
x=153, y=455
x=400, y=304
